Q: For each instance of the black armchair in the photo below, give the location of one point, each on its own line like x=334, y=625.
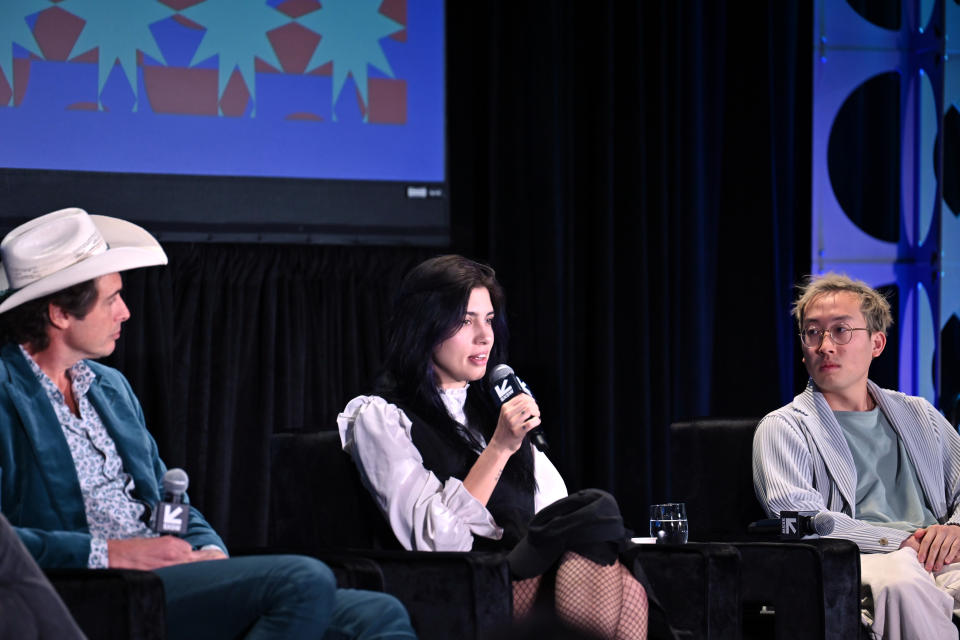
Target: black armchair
x=319, y=507
x=113, y=603
x=812, y=588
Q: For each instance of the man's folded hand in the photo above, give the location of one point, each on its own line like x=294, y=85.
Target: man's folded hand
x=939, y=545
x=155, y=553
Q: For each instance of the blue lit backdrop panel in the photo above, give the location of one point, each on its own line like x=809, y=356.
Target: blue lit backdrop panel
x=950, y=217
x=879, y=104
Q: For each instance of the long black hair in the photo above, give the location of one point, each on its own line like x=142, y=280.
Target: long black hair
x=429, y=308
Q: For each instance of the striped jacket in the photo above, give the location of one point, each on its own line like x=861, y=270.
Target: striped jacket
x=801, y=462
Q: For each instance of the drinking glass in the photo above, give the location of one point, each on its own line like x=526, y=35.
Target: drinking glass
x=668, y=523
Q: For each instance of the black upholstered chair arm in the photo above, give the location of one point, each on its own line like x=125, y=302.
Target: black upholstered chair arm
x=812, y=585
x=113, y=603
x=698, y=584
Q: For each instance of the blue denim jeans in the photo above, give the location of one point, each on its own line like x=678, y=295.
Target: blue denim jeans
x=276, y=596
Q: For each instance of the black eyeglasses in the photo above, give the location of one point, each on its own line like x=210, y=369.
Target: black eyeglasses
x=839, y=333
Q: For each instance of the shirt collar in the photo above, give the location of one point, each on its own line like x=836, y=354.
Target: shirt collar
x=80, y=374
x=454, y=401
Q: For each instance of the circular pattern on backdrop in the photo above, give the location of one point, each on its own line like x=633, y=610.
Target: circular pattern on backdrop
x=867, y=184
x=951, y=160
x=950, y=376
x=883, y=13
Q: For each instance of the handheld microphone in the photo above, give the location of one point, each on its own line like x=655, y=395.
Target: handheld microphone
x=505, y=385
x=172, y=515
x=795, y=525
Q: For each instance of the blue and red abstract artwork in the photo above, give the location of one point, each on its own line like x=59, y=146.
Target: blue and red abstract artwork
x=338, y=89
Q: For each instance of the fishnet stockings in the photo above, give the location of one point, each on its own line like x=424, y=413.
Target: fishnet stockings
x=524, y=596
x=603, y=600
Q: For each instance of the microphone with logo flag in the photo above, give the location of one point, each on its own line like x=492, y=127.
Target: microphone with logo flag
x=505, y=385
x=172, y=515
x=795, y=525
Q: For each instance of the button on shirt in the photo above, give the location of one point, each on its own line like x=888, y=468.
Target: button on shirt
x=111, y=510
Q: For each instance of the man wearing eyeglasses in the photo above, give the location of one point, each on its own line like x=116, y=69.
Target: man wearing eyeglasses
x=884, y=465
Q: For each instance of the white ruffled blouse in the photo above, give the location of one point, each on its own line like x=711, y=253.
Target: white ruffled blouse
x=424, y=513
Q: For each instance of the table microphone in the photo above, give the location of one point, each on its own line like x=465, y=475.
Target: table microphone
x=800, y=524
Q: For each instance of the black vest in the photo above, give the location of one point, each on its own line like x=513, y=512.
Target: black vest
x=510, y=504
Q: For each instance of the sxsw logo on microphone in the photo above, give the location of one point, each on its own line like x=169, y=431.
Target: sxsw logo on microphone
x=788, y=524
x=505, y=390
x=172, y=517
x=795, y=525
x=523, y=387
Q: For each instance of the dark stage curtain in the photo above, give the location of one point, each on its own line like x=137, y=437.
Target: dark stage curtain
x=230, y=343
x=638, y=173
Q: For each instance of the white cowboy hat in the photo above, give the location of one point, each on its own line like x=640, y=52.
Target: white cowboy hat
x=68, y=247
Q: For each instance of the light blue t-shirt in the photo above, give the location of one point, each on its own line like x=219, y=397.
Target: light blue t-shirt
x=888, y=490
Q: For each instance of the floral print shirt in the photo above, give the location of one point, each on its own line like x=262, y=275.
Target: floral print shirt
x=112, y=511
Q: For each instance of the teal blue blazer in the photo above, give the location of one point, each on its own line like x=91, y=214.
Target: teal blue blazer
x=39, y=489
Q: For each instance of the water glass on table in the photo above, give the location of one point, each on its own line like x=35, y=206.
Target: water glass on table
x=668, y=523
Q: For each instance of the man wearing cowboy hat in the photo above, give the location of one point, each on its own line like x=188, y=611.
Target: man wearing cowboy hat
x=78, y=466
